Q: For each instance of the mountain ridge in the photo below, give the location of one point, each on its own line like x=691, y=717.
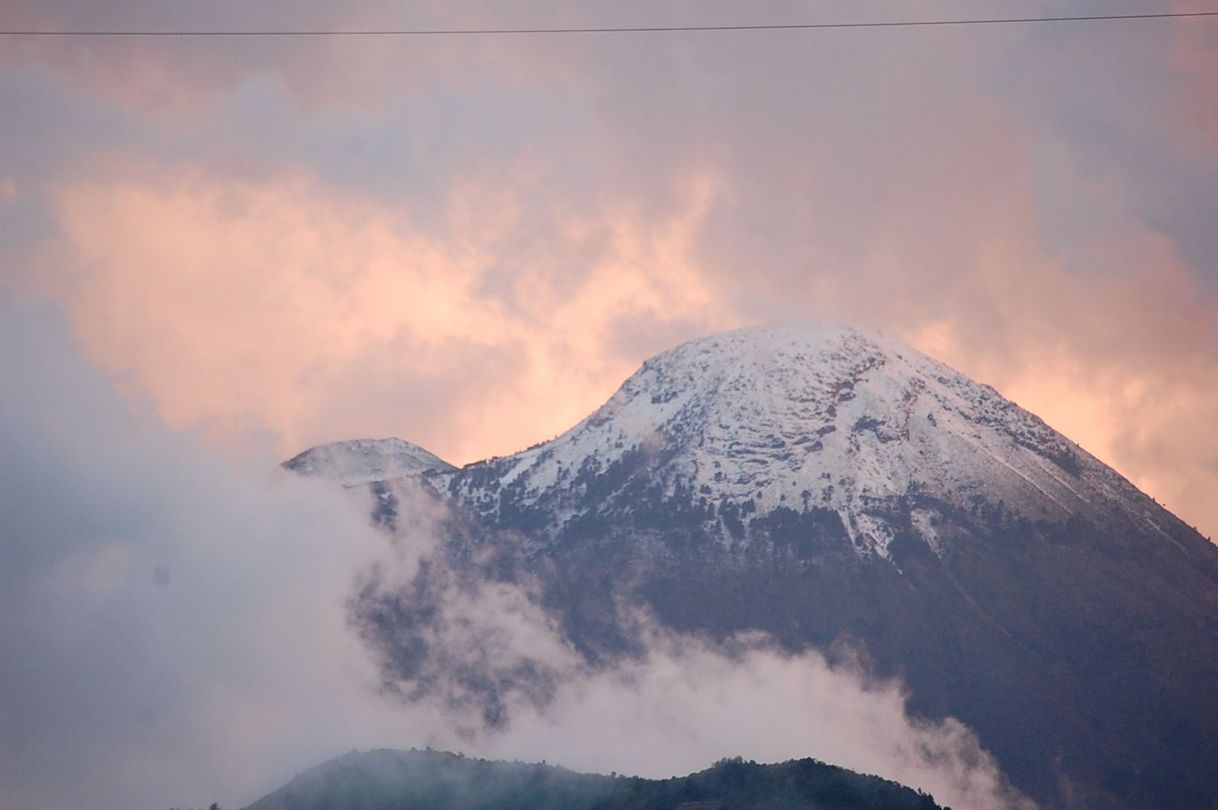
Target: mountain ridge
x=382, y=779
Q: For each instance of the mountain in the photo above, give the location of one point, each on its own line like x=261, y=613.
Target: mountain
x=823, y=420
x=825, y=485
x=361, y=461
x=423, y=780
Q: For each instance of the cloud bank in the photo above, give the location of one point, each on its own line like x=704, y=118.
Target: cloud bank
x=169, y=623
x=178, y=632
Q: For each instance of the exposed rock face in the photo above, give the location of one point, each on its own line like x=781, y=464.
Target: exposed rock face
x=821, y=484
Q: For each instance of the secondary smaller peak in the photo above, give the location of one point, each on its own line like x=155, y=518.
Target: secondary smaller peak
x=361, y=461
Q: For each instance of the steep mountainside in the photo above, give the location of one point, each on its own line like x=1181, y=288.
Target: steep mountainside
x=823, y=485
x=425, y=780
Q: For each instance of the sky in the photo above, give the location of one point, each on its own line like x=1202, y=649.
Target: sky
x=470, y=242
x=244, y=247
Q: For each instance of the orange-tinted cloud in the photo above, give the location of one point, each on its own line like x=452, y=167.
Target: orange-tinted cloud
x=242, y=306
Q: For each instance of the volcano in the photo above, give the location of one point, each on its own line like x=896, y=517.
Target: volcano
x=837, y=489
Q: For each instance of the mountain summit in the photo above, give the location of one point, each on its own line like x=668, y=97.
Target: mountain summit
x=826, y=486
x=796, y=418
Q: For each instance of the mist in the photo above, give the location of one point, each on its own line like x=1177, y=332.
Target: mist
x=176, y=632
x=172, y=625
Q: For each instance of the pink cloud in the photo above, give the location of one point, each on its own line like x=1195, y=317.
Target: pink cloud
x=241, y=306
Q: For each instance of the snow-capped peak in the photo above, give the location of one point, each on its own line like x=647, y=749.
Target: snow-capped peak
x=361, y=461
x=809, y=416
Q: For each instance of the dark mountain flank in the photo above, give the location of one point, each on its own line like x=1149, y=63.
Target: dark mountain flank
x=821, y=485
x=426, y=780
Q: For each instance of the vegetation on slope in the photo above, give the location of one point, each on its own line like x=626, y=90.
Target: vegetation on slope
x=434, y=780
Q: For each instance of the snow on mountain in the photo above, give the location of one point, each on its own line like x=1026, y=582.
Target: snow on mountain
x=362, y=461
x=809, y=416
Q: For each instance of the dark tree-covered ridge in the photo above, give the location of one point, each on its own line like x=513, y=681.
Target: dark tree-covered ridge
x=386, y=779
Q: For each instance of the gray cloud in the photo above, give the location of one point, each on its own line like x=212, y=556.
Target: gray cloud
x=172, y=627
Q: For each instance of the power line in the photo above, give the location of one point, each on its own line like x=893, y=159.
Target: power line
x=436, y=32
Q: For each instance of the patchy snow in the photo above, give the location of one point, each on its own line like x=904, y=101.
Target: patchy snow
x=362, y=461
x=923, y=521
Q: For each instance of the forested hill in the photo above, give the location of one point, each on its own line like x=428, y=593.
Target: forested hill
x=405, y=780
